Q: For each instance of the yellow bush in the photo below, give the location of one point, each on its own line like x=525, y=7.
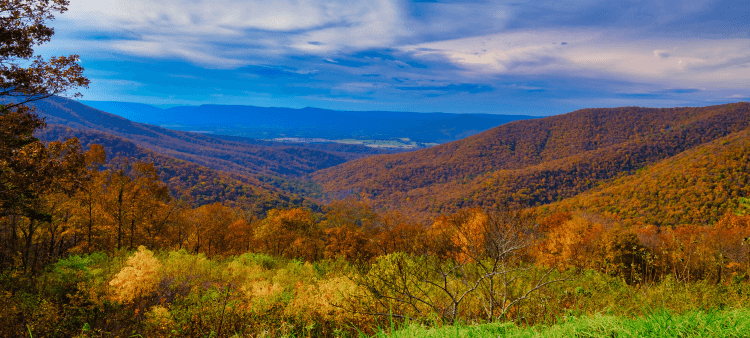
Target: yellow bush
x=326, y=301
x=159, y=320
x=138, y=278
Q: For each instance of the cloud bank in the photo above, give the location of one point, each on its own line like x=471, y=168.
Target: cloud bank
x=423, y=54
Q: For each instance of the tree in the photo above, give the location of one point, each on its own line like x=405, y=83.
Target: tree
x=26, y=77
x=137, y=201
x=210, y=228
x=91, y=191
x=25, y=163
x=475, y=256
x=292, y=233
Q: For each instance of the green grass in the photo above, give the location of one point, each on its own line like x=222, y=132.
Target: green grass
x=726, y=323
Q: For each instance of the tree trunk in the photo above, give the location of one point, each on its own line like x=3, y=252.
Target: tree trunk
x=91, y=221
x=28, y=243
x=119, y=217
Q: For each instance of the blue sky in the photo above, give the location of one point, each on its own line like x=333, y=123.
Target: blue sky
x=507, y=57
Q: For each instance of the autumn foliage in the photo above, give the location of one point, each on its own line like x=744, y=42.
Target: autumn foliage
x=533, y=162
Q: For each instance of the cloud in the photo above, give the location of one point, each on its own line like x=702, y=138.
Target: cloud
x=464, y=87
x=423, y=54
x=359, y=87
x=225, y=33
x=599, y=54
x=209, y=17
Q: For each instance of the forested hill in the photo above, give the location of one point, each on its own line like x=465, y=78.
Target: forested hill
x=532, y=161
x=238, y=155
x=197, y=184
x=698, y=186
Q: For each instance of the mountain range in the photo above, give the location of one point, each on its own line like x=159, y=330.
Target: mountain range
x=645, y=165
x=268, y=123
x=237, y=154
x=534, y=162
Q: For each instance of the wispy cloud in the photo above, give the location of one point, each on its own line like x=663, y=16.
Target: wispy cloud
x=429, y=55
x=587, y=53
x=225, y=34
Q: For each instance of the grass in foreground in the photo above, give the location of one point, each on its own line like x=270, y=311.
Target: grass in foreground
x=726, y=323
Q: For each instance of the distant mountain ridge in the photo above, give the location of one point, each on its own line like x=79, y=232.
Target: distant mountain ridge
x=533, y=161
x=262, y=122
x=245, y=156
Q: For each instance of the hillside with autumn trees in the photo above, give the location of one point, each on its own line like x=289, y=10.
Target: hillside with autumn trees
x=712, y=179
x=532, y=162
x=232, y=154
x=110, y=228
x=196, y=184
x=129, y=240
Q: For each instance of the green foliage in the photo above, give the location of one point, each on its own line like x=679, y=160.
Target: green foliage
x=743, y=208
x=657, y=324
x=254, y=294
x=70, y=275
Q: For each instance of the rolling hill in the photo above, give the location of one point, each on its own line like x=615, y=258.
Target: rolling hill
x=199, y=184
x=697, y=186
x=238, y=155
x=532, y=162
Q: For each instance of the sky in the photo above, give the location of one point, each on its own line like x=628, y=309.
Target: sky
x=498, y=57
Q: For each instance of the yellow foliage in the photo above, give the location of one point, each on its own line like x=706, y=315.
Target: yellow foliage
x=465, y=233
x=159, y=320
x=262, y=295
x=325, y=300
x=264, y=289
x=138, y=278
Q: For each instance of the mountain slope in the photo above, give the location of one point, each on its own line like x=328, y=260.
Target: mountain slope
x=697, y=186
x=198, y=183
x=246, y=156
x=533, y=161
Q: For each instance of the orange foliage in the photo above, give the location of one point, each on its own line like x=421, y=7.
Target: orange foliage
x=535, y=161
x=293, y=233
x=571, y=242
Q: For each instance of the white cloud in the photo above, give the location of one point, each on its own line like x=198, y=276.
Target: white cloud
x=207, y=17
x=377, y=24
x=596, y=54
x=359, y=87
x=226, y=33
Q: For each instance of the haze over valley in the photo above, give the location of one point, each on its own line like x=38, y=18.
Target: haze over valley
x=404, y=130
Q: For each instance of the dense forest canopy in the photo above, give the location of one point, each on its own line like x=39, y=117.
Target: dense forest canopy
x=532, y=162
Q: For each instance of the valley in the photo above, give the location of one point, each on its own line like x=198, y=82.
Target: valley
x=384, y=169
x=378, y=128
x=399, y=143
x=588, y=207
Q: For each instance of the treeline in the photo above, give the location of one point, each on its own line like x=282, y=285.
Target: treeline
x=88, y=204
x=106, y=206
x=349, y=270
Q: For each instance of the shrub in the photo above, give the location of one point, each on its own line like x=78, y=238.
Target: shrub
x=137, y=279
